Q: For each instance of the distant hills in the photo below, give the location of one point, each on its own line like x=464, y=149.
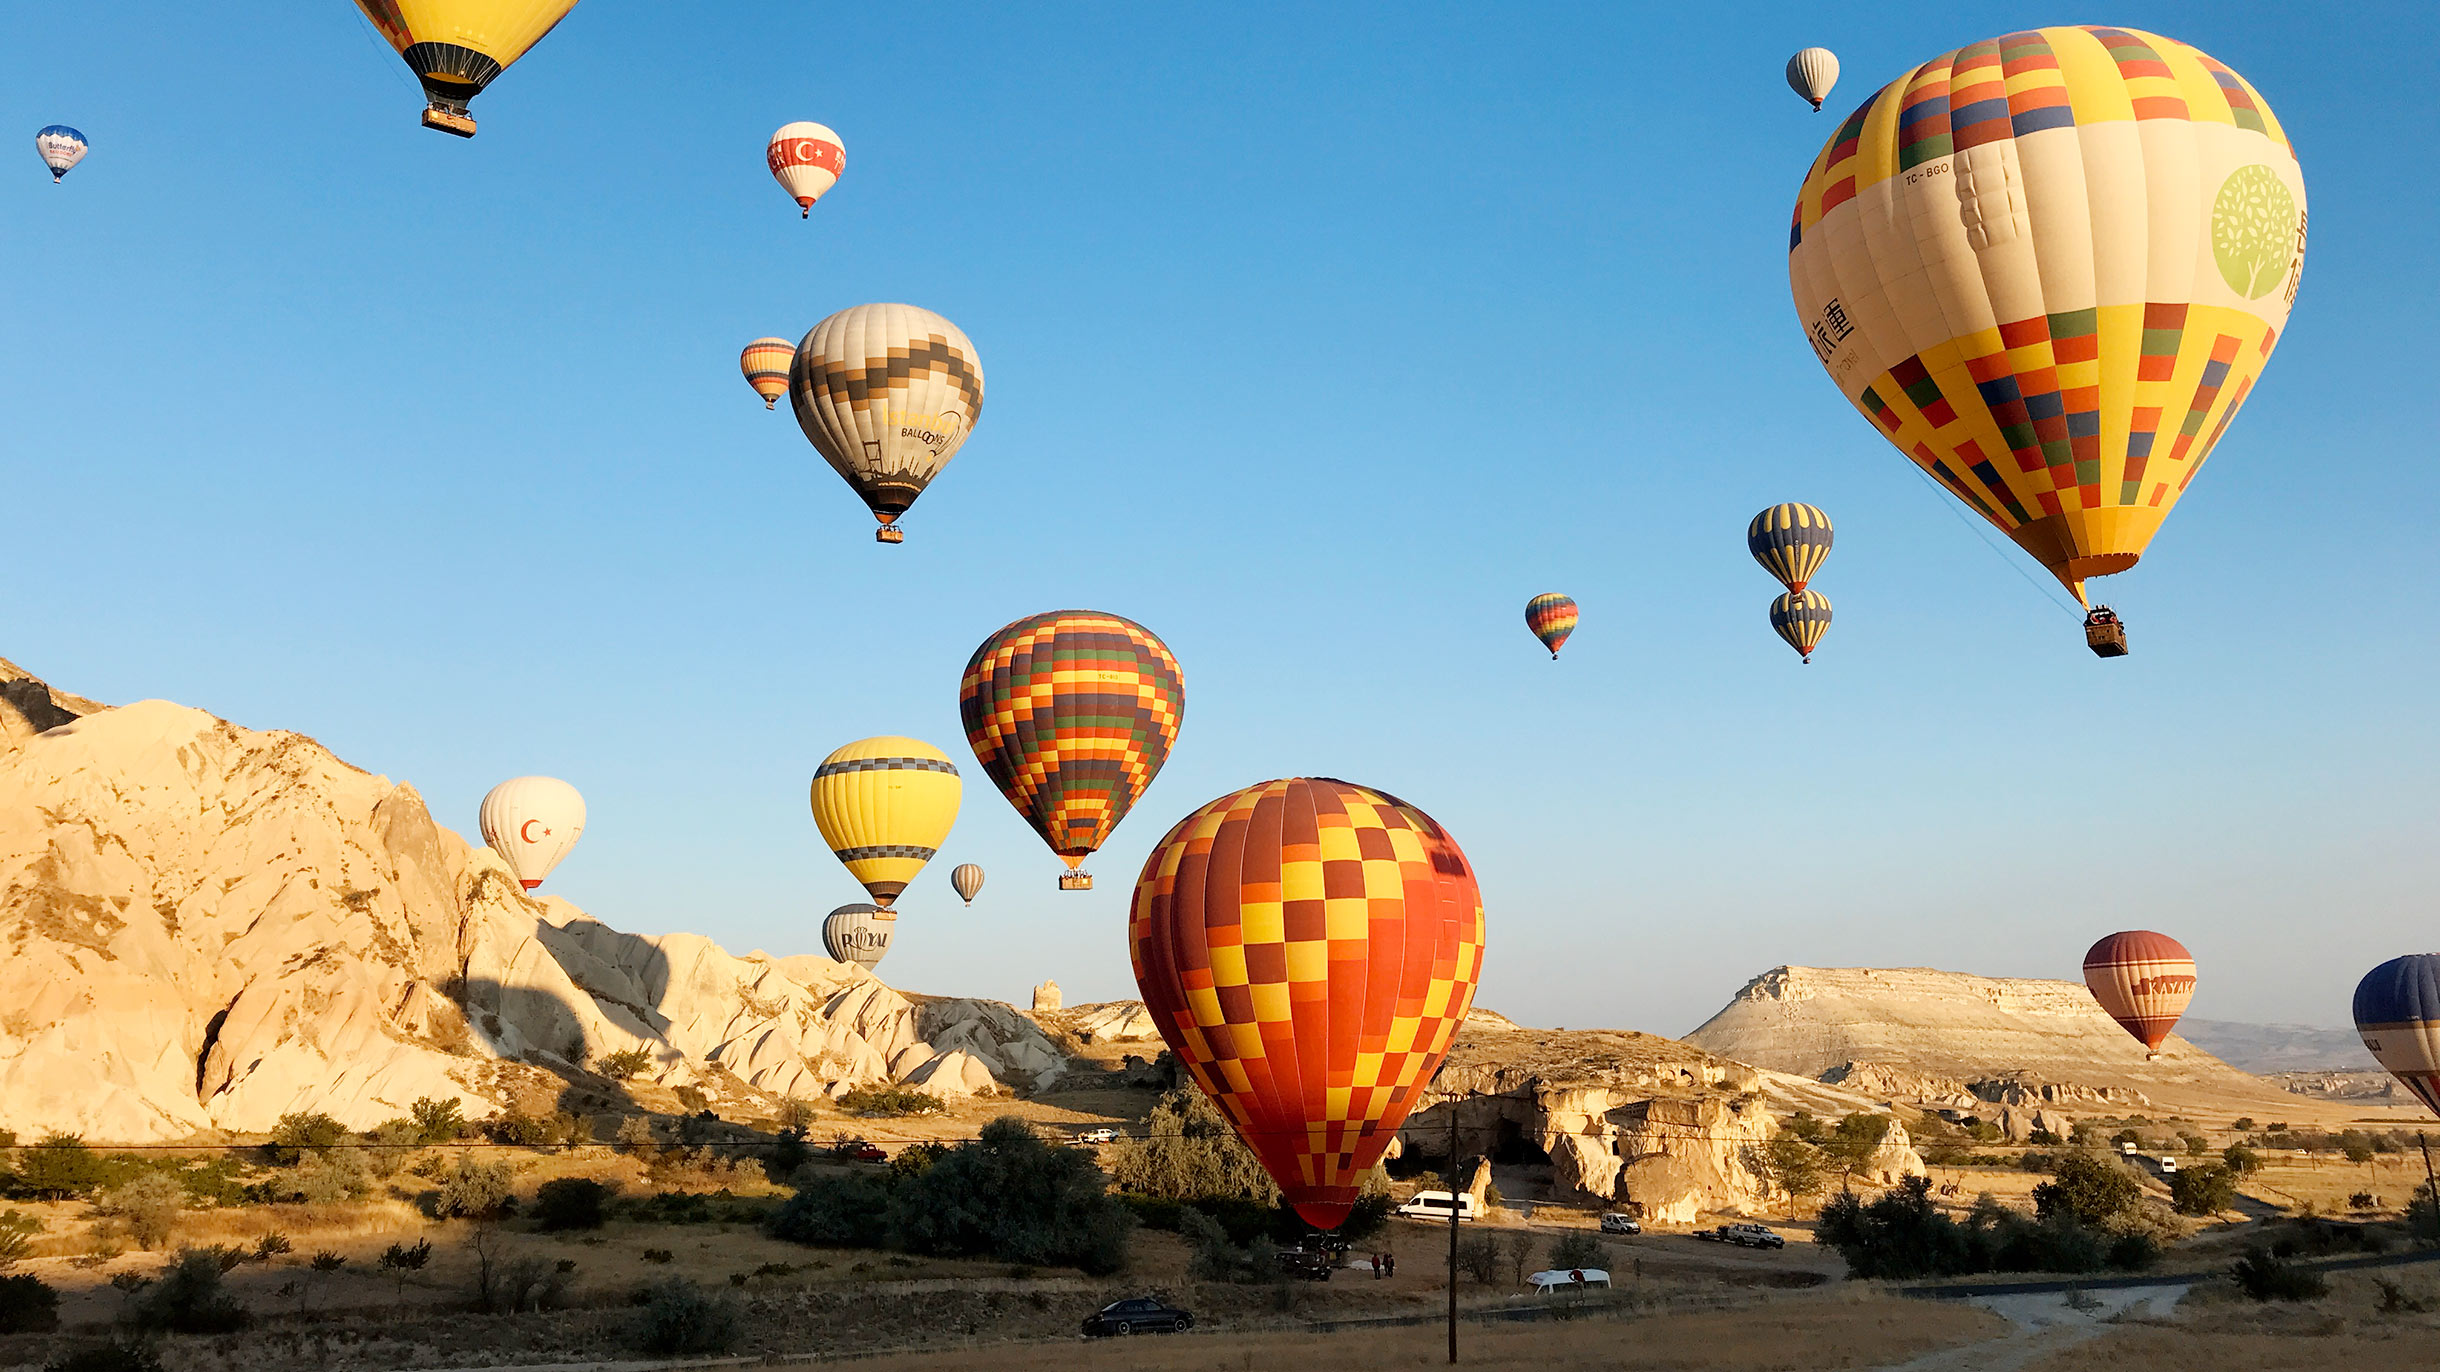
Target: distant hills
x=2266, y=1048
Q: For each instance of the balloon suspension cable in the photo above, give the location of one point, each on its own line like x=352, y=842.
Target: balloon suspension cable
x=1996, y=551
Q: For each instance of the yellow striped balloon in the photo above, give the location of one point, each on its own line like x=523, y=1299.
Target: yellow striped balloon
x=765, y=363
x=1791, y=542
x=884, y=805
x=1801, y=617
x=2048, y=267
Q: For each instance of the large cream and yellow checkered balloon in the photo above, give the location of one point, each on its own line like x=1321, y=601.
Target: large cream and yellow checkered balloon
x=1308, y=949
x=2049, y=267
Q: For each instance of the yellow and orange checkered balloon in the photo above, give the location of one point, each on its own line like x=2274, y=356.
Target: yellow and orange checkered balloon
x=1308, y=948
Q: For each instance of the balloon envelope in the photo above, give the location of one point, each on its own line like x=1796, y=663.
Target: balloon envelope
x=1552, y=617
x=884, y=805
x=765, y=363
x=806, y=159
x=859, y=934
x=1791, y=542
x=457, y=47
x=1072, y=713
x=967, y=880
x=1811, y=74
x=1801, y=618
x=2397, y=1012
x=2048, y=268
x=532, y=822
x=887, y=395
x=60, y=147
x=1309, y=948
x=2144, y=980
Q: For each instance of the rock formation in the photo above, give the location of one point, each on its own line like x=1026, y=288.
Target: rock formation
x=207, y=927
x=1046, y=997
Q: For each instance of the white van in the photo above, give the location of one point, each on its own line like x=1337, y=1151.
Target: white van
x=2168, y=1165
x=1573, y=1279
x=1434, y=1205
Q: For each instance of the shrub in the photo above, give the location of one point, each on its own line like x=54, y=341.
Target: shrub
x=148, y=1205
x=2044, y=1138
x=1218, y=1257
x=399, y=1260
x=17, y=1231
x=475, y=1191
x=437, y=1121
x=1189, y=1152
x=27, y=1306
x=1478, y=1256
x=2241, y=1159
x=1578, y=1249
x=678, y=1316
x=1009, y=1195
x=60, y=1167
x=889, y=1101
x=389, y=1145
x=2090, y=1187
x=1903, y=1234
x=2196, y=1144
x=115, y=1356
x=916, y=1158
x=635, y=1134
x=849, y=1210
x=572, y=1203
x=625, y=1064
x=796, y=1114
x=296, y=1135
x=659, y=1255
x=189, y=1298
x=521, y=1284
x=330, y=1177
x=521, y=1129
x=270, y=1246
x=1370, y=1214
x=2207, y=1189
x=2265, y=1276
x=2242, y=1124
x=2363, y=1200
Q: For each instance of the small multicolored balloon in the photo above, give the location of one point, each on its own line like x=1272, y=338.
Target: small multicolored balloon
x=1791, y=541
x=1552, y=617
x=806, y=159
x=1801, y=617
x=765, y=363
x=61, y=149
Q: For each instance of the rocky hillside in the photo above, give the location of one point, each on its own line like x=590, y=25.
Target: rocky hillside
x=207, y=927
x=1957, y=1040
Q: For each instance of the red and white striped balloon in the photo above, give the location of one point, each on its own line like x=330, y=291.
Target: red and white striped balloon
x=2144, y=980
x=807, y=159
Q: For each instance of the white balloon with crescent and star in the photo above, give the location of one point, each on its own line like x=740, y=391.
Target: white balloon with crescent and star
x=532, y=822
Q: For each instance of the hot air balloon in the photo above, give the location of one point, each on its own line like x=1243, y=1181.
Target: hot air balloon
x=2048, y=268
x=457, y=47
x=1072, y=714
x=2144, y=980
x=60, y=147
x=1552, y=617
x=532, y=822
x=1811, y=74
x=1790, y=541
x=967, y=880
x=765, y=363
x=859, y=934
x=1308, y=948
x=806, y=159
x=1801, y=617
x=2397, y=1011
x=884, y=805
x=887, y=394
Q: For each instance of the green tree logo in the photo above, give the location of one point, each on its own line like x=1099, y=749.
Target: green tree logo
x=2253, y=229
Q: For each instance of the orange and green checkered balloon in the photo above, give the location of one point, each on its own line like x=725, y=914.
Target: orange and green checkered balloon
x=1308, y=948
x=1072, y=714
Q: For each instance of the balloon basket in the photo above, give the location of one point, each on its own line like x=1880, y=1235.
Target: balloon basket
x=1075, y=881
x=2105, y=634
x=449, y=121
x=889, y=533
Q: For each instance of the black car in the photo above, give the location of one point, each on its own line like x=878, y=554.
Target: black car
x=1139, y=1316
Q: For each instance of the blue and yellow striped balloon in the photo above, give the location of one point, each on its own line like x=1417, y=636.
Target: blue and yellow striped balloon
x=1801, y=617
x=1790, y=541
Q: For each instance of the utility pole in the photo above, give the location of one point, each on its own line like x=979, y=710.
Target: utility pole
x=2430, y=1180
x=1453, y=1224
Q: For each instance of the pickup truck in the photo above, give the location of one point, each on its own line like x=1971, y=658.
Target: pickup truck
x=857, y=1150
x=1102, y=1135
x=1742, y=1235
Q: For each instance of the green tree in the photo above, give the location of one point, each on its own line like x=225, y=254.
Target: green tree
x=475, y=1190
x=1786, y=1165
x=1577, y=1248
x=296, y=1135
x=189, y=1298
x=572, y=1203
x=835, y=1210
x=2092, y=1188
x=1189, y=1152
x=2204, y=1189
x=59, y=1167
x=1850, y=1146
x=1009, y=1195
x=2241, y=1159
x=437, y=1121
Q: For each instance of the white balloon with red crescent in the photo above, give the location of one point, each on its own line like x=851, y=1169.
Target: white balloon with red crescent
x=806, y=159
x=532, y=822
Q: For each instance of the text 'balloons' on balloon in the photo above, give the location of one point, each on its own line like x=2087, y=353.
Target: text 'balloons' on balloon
x=884, y=805
x=2397, y=1014
x=1072, y=713
x=1552, y=617
x=886, y=394
x=1791, y=541
x=1309, y=948
x=532, y=822
x=1801, y=618
x=2144, y=980
x=60, y=148
x=765, y=364
x=458, y=47
x=859, y=934
x=2048, y=269
x=806, y=159
x=967, y=880
x=1811, y=74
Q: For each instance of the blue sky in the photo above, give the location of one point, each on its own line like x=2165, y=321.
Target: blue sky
x=1318, y=340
